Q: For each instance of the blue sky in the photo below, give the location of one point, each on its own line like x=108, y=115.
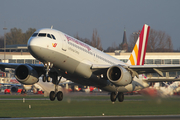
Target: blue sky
x=109, y=17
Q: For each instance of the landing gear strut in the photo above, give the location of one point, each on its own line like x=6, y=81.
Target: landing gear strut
x=46, y=76
x=119, y=95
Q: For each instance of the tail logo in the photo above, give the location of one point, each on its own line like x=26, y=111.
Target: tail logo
x=138, y=54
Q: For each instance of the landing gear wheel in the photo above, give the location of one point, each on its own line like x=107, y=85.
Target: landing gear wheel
x=52, y=96
x=113, y=97
x=120, y=97
x=44, y=78
x=59, y=96
x=48, y=78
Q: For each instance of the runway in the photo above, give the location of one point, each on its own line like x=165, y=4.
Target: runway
x=155, y=117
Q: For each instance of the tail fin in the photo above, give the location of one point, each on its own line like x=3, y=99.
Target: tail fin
x=138, y=54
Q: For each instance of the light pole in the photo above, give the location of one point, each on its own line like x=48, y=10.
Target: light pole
x=4, y=43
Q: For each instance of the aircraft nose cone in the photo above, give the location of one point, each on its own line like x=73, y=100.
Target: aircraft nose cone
x=33, y=46
x=31, y=42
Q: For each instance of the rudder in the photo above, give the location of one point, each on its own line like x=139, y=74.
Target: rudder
x=138, y=54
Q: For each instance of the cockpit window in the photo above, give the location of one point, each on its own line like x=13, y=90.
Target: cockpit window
x=42, y=35
x=34, y=35
x=48, y=35
x=53, y=37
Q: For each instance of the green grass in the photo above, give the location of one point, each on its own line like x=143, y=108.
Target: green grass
x=21, y=96
x=89, y=106
x=67, y=96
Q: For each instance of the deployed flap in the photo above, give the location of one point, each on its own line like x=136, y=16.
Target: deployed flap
x=140, y=69
x=161, y=79
x=159, y=72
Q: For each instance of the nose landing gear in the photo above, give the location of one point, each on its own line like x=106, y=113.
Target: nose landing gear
x=46, y=76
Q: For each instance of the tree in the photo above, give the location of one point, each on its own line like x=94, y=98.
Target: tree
x=1, y=41
x=112, y=48
x=16, y=36
x=85, y=40
x=28, y=34
x=158, y=41
x=96, y=41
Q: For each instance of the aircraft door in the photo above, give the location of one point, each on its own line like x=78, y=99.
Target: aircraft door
x=64, y=44
x=95, y=58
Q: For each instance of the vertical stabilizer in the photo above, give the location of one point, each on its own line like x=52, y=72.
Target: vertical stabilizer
x=138, y=54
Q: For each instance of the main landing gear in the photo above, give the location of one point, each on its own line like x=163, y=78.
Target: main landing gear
x=119, y=95
x=56, y=93
x=53, y=95
x=47, y=77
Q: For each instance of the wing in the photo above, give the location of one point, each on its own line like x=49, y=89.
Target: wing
x=14, y=65
x=38, y=67
x=138, y=69
x=141, y=69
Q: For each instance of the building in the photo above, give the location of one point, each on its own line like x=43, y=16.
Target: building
x=17, y=54
x=124, y=44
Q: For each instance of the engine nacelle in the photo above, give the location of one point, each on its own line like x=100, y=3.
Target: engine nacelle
x=119, y=76
x=14, y=88
x=25, y=74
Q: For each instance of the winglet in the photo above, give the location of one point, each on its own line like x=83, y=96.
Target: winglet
x=138, y=54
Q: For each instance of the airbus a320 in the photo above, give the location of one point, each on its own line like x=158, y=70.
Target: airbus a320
x=65, y=56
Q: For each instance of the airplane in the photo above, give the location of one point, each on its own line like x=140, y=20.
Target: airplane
x=65, y=56
x=11, y=88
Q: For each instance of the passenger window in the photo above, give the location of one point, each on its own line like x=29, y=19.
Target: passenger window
x=53, y=36
x=42, y=35
x=34, y=35
x=48, y=35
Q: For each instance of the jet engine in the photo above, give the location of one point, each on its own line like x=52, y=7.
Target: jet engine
x=119, y=76
x=14, y=88
x=27, y=75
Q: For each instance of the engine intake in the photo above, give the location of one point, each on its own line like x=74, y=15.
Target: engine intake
x=14, y=89
x=119, y=76
x=25, y=74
